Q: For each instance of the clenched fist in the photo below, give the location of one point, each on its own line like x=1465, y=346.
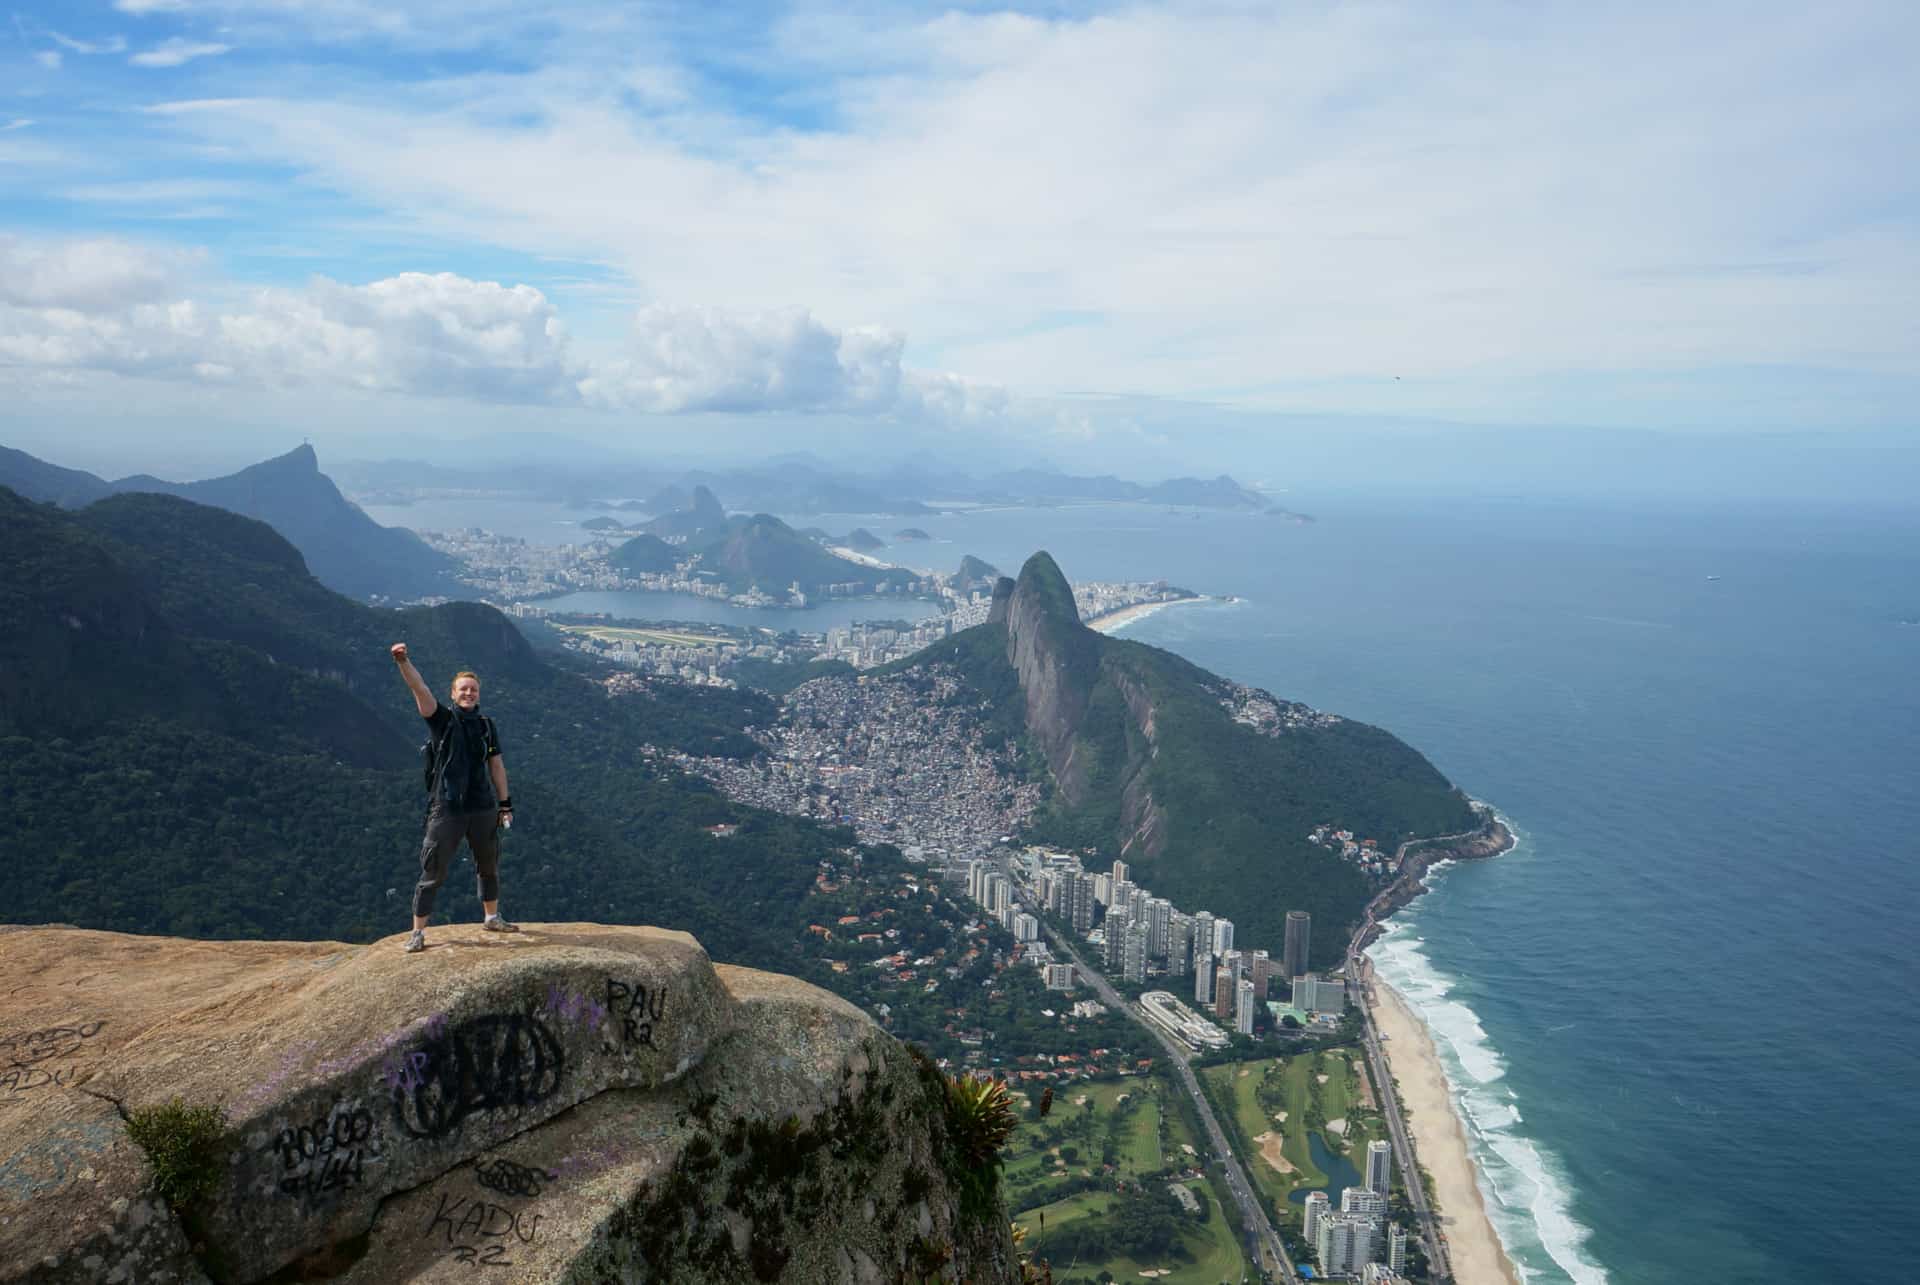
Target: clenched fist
x=399, y=651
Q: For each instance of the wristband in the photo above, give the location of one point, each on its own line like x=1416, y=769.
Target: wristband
x=506, y=805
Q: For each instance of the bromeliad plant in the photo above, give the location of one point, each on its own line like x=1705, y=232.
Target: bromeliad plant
x=980, y=1119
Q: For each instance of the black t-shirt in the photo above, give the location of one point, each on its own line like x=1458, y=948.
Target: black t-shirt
x=479, y=791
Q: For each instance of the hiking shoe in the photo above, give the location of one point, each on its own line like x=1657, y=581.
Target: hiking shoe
x=495, y=924
x=416, y=942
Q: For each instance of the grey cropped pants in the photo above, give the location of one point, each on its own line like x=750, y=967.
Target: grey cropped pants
x=445, y=829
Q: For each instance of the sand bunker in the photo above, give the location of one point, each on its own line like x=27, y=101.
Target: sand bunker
x=1270, y=1144
x=1321, y=1078
x=1279, y=1117
x=1337, y=1126
x=1244, y=1073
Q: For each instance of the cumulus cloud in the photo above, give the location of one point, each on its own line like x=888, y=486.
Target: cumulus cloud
x=682, y=359
x=439, y=335
x=174, y=51
x=90, y=276
x=111, y=306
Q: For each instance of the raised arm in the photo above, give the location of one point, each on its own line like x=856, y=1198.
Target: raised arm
x=423, y=699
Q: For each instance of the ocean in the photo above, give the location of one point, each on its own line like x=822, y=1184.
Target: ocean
x=1682, y=1018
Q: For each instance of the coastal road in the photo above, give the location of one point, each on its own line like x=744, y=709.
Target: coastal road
x=1271, y=1253
x=1438, y=1264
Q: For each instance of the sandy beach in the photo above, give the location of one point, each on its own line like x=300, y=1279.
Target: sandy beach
x=1116, y=620
x=1441, y=1142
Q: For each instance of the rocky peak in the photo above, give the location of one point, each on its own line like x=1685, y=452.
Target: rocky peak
x=578, y=1103
x=1058, y=660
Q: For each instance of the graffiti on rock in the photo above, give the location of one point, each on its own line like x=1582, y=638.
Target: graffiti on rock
x=510, y=1179
x=321, y=1158
x=497, y=1062
x=480, y=1232
x=53, y=1158
x=638, y=1008
x=26, y=1056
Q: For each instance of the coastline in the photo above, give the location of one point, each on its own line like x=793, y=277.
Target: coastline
x=1439, y=1139
x=1114, y=621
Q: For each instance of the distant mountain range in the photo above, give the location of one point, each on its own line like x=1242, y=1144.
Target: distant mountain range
x=746, y=552
x=791, y=485
x=346, y=549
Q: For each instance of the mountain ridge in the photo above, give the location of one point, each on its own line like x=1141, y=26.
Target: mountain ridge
x=344, y=547
x=1206, y=788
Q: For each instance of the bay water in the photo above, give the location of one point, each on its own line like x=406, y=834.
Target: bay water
x=1682, y=1018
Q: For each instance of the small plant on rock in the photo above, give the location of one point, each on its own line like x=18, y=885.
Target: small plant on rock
x=183, y=1144
x=981, y=1116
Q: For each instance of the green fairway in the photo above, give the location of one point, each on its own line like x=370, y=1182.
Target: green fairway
x=1088, y=1123
x=1123, y=1120
x=1212, y=1254
x=1284, y=1100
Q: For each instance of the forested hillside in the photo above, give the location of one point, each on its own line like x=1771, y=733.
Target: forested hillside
x=1205, y=788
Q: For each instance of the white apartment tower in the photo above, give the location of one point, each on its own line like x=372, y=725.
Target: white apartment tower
x=1222, y=936
x=1202, y=934
x=1243, y=1007
x=1203, y=979
x=1316, y=1209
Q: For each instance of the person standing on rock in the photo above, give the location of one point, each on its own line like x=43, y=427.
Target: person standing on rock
x=469, y=800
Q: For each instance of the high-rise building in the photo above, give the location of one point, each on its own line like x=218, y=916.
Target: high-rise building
x=1397, y=1249
x=1316, y=1209
x=1299, y=938
x=1224, y=994
x=1202, y=934
x=1243, y=1007
x=976, y=872
x=1343, y=1243
x=1077, y=904
x=1159, y=919
x=1361, y=1200
x=1179, y=944
x=1025, y=926
x=1114, y=952
x=1261, y=971
x=1133, y=963
x=1222, y=936
x=1059, y=977
x=1379, y=1167
x=1203, y=979
x=1119, y=871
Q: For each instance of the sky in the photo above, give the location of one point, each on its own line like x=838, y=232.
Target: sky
x=1142, y=237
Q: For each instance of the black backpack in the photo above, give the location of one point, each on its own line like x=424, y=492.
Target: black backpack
x=433, y=755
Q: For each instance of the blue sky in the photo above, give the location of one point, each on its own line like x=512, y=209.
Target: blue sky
x=951, y=224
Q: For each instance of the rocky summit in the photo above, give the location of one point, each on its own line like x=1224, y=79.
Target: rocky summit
x=574, y=1103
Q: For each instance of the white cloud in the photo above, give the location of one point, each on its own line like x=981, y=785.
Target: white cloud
x=88, y=276
x=175, y=51
x=48, y=58
x=119, y=308
x=114, y=45
x=682, y=359
x=1223, y=202
x=140, y=8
